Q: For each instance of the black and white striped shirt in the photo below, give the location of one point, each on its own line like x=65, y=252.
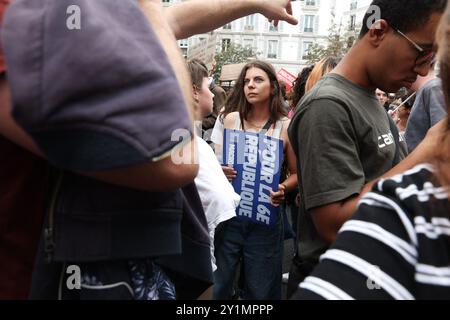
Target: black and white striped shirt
x=397, y=245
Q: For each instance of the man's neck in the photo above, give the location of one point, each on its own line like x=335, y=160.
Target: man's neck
x=352, y=68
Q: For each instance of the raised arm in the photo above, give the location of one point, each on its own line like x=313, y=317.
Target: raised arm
x=199, y=16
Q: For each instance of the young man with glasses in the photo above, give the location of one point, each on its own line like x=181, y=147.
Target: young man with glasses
x=358, y=141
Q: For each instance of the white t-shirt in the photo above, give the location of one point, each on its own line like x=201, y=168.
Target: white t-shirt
x=216, y=193
x=217, y=133
x=217, y=137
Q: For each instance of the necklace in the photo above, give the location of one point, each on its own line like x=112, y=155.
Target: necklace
x=256, y=125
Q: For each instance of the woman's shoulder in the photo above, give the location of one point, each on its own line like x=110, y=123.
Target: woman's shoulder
x=232, y=115
x=230, y=119
x=285, y=121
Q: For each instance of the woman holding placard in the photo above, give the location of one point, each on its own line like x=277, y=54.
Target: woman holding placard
x=260, y=117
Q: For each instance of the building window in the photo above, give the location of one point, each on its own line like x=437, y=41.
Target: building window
x=248, y=43
x=272, y=28
x=353, y=4
x=226, y=44
x=310, y=2
x=352, y=22
x=184, y=43
x=306, y=46
x=227, y=26
x=272, y=49
x=249, y=23
x=309, y=23
x=166, y=1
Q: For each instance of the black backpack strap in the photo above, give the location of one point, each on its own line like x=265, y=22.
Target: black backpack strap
x=267, y=125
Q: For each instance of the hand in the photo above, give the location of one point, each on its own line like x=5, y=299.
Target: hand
x=277, y=198
x=230, y=173
x=276, y=10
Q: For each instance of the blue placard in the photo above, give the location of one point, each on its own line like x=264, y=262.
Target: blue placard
x=257, y=158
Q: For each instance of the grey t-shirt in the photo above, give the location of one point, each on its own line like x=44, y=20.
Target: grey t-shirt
x=428, y=110
x=342, y=139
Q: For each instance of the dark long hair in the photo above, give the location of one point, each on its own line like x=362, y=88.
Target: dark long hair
x=238, y=102
x=442, y=160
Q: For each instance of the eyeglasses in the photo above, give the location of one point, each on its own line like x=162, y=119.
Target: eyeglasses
x=425, y=55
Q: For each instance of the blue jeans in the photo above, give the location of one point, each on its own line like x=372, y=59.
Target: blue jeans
x=261, y=251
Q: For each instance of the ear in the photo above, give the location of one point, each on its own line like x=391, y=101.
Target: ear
x=378, y=32
x=195, y=93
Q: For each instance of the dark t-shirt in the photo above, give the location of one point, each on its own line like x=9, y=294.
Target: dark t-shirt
x=343, y=140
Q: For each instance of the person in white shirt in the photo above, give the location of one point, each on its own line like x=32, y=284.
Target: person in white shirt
x=217, y=195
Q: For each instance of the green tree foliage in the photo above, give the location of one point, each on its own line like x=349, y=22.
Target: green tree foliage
x=233, y=53
x=337, y=45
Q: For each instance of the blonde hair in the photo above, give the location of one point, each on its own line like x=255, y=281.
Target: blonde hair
x=323, y=67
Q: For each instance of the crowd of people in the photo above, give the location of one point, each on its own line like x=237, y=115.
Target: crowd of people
x=103, y=171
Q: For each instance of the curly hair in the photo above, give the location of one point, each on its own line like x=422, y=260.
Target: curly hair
x=298, y=91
